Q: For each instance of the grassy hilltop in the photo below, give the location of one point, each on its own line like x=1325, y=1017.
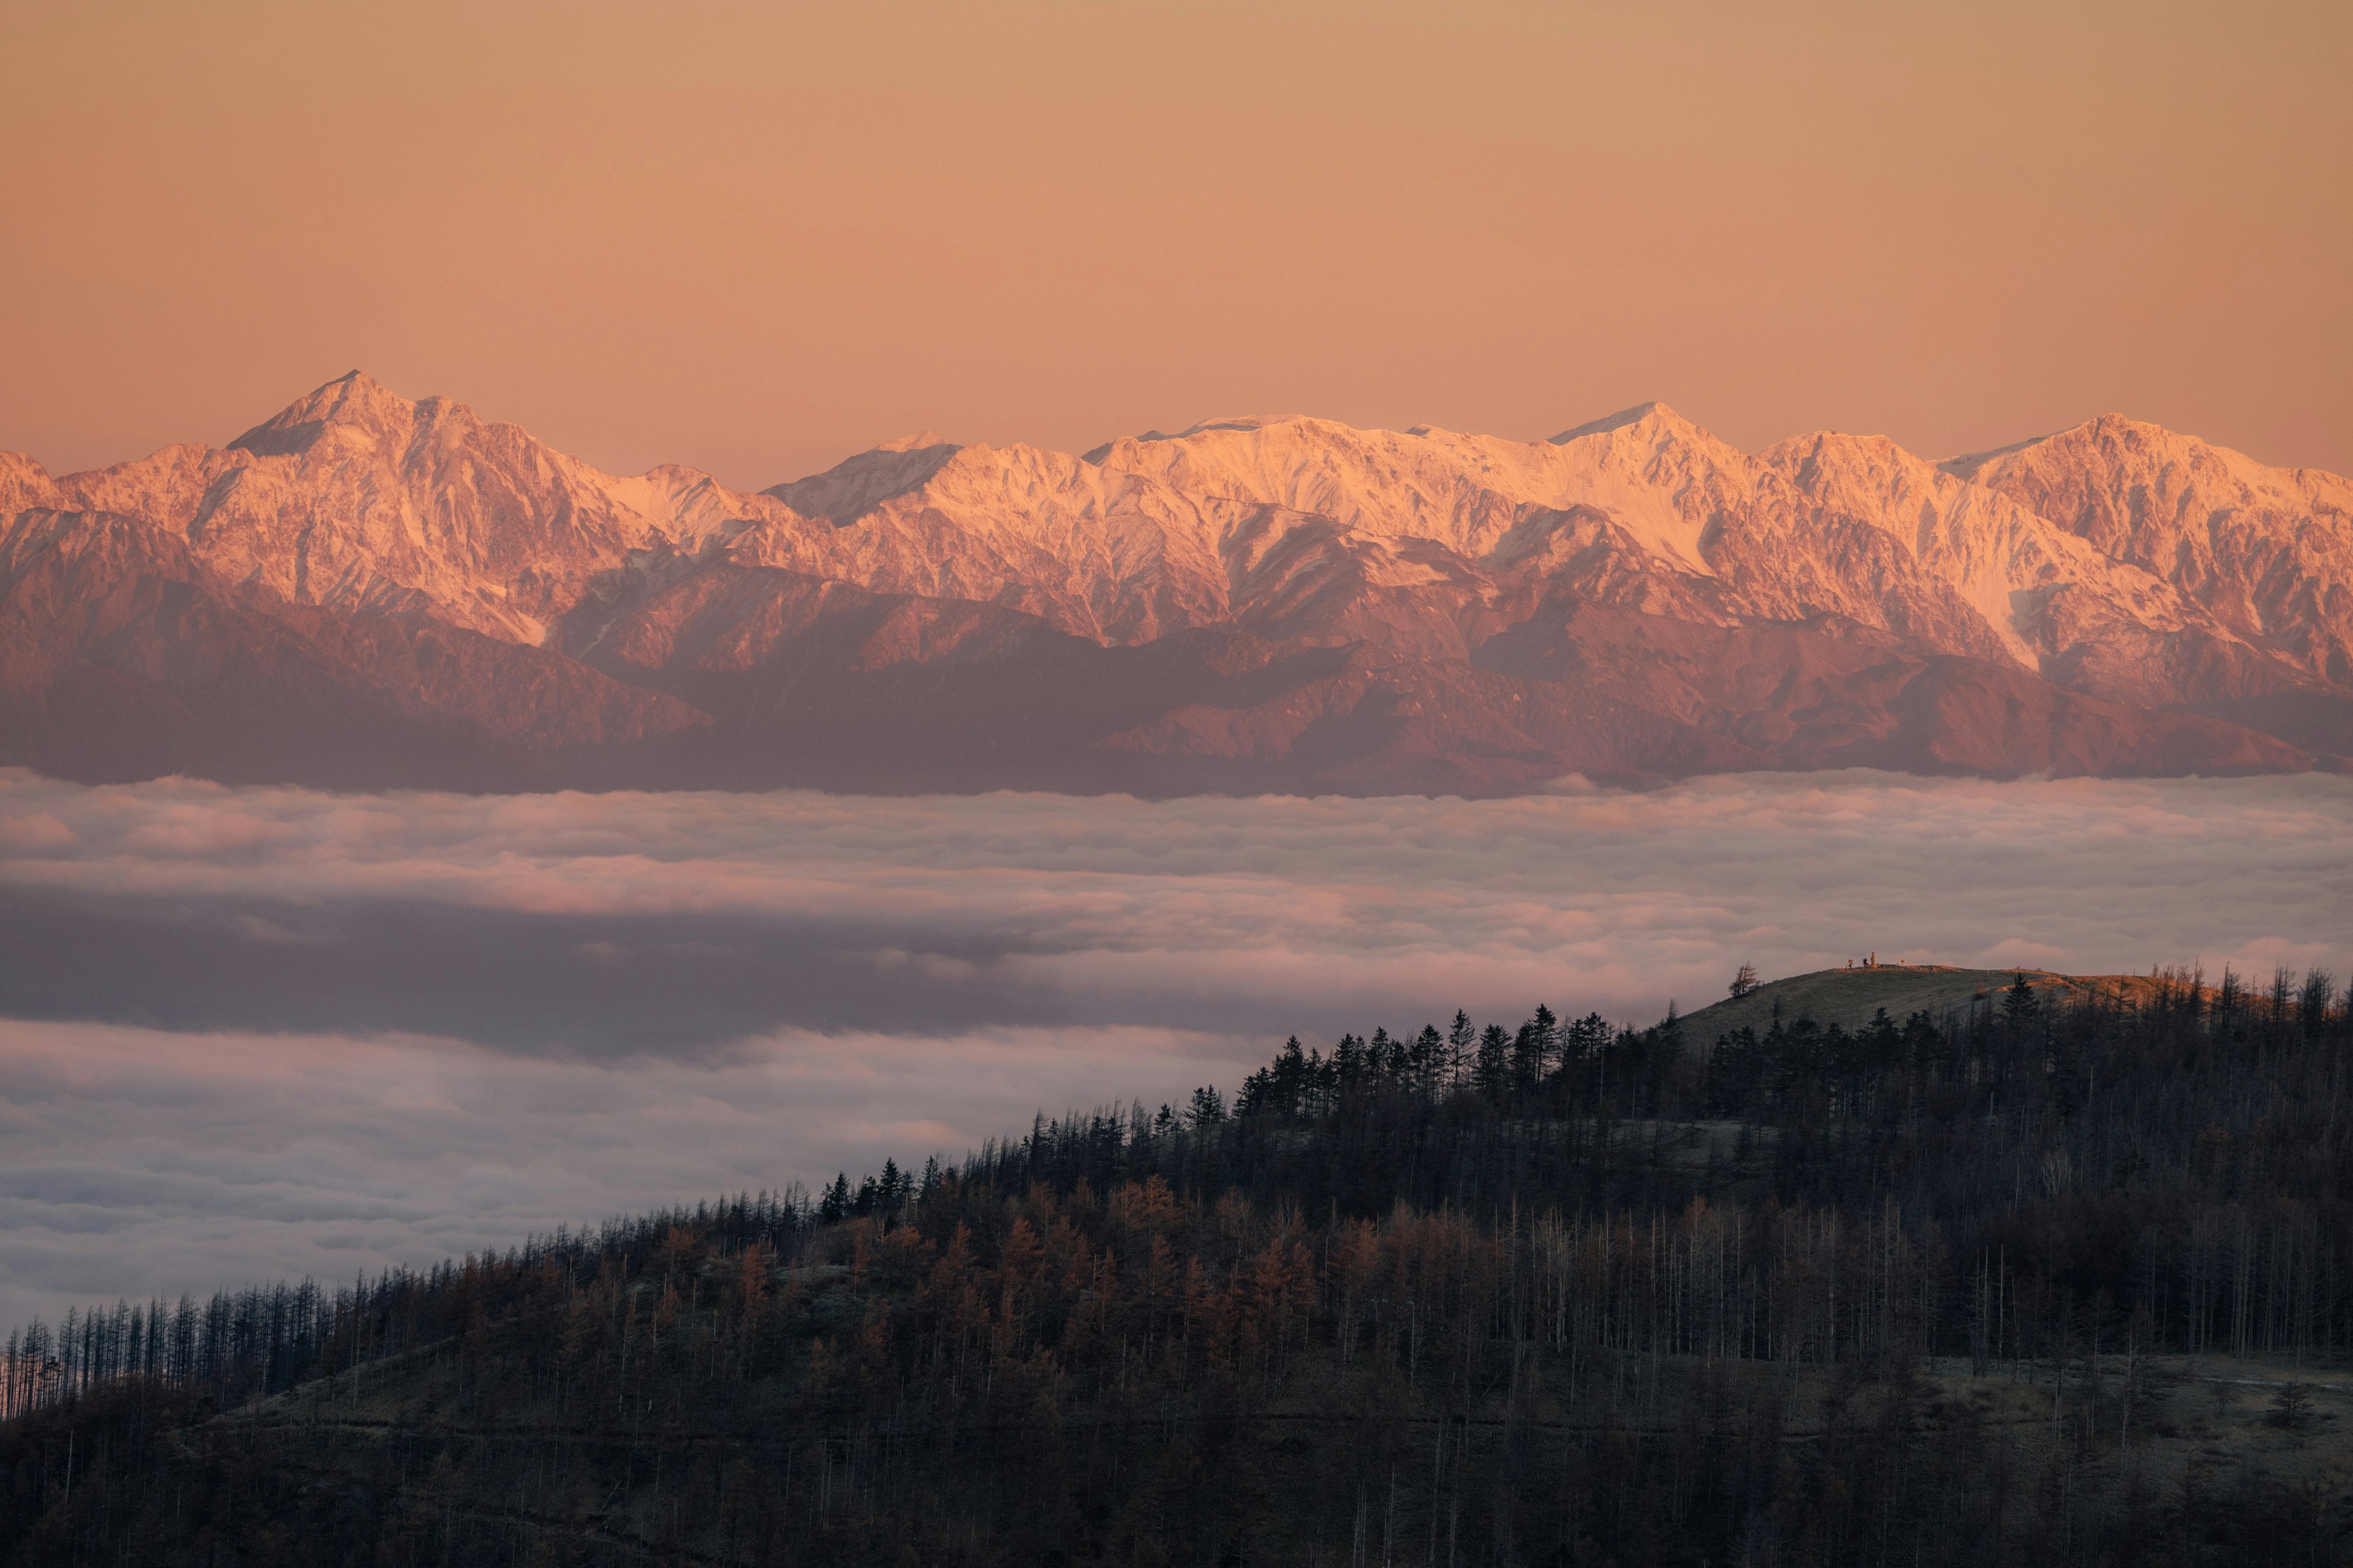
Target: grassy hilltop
x=1848, y=997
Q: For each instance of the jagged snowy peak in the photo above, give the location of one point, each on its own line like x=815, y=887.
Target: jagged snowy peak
x=1644, y=510
x=2266, y=552
x=1670, y=483
x=1825, y=525
x=356, y=499
x=1610, y=422
x=851, y=488
x=1997, y=554
x=1104, y=555
x=1660, y=476
x=2062, y=606
x=354, y=405
x=25, y=485
x=1148, y=535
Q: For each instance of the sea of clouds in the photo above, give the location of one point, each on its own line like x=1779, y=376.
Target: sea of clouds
x=248, y=1032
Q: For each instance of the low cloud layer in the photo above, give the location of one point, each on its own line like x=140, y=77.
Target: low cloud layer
x=1275, y=910
x=261, y=1030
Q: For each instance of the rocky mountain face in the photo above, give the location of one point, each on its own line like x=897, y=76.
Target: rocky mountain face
x=367, y=591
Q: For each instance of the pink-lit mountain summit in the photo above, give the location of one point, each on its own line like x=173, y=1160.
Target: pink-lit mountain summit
x=365, y=591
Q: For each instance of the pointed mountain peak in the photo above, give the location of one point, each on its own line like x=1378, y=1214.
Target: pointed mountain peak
x=1653, y=414
x=1838, y=446
x=2122, y=451
x=2122, y=431
x=23, y=484
x=353, y=399
x=1237, y=424
x=856, y=485
x=2125, y=426
x=2100, y=428
x=1243, y=423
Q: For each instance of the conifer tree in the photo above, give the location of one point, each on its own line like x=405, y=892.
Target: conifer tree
x=1491, y=1072
x=1425, y=1060
x=1460, y=1038
x=1209, y=1107
x=2019, y=1006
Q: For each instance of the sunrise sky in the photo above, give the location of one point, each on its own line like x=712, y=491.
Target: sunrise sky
x=754, y=237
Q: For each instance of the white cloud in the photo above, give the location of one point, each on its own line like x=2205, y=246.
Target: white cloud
x=1624, y=897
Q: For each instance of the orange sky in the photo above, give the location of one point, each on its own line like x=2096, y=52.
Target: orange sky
x=756, y=238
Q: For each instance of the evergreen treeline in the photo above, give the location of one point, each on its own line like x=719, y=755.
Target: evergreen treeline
x=1925, y=1292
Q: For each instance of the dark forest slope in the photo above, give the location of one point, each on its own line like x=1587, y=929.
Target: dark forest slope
x=2048, y=1280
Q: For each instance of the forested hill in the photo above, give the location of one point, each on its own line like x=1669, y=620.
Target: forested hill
x=2062, y=1276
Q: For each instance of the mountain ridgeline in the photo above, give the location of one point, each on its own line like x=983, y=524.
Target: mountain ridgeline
x=2062, y=1274
x=370, y=592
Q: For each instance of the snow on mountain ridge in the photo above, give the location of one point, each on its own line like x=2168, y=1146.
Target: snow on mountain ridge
x=353, y=400
x=2049, y=595
x=355, y=499
x=1466, y=492
x=1101, y=553
x=364, y=589
x=853, y=487
x=26, y=485
x=2266, y=552
x=1608, y=422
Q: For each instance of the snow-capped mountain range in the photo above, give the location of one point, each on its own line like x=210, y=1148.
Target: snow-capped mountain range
x=369, y=591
